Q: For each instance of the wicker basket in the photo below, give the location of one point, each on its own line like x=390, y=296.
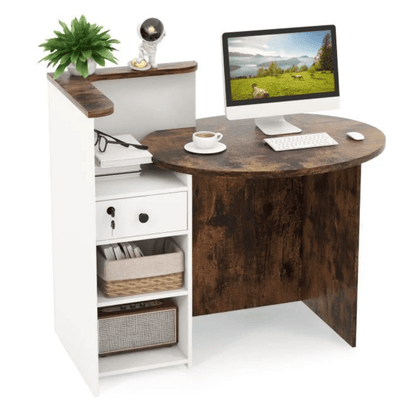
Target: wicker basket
x=160, y=269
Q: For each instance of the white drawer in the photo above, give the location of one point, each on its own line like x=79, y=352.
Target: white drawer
x=165, y=212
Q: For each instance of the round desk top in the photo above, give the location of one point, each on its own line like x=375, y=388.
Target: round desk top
x=247, y=155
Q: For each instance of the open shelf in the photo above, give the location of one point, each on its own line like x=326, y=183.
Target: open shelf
x=151, y=181
x=103, y=301
x=141, y=360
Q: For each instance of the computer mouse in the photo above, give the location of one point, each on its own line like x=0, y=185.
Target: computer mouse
x=355, y=135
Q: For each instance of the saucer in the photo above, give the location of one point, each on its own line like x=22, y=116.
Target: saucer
x=138, y=69
x=218, y=148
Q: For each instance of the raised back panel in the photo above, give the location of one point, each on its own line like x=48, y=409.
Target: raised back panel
x=143, y=105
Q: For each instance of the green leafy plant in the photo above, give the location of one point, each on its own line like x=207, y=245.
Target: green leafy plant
x=77, y=45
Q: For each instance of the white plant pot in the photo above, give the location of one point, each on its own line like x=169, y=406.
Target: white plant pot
x=92, y=66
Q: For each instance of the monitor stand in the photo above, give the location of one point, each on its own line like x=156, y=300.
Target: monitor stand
x=273, y=126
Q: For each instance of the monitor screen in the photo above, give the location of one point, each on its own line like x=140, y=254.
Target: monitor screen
x=280, y=65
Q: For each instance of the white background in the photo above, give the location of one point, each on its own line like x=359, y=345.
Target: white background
x=280, y=359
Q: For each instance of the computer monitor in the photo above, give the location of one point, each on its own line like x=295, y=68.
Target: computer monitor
x=272, y=73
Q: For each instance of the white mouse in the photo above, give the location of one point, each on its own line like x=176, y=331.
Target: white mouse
x=355, y=135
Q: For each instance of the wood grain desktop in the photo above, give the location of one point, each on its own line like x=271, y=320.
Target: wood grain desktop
x=271, y=227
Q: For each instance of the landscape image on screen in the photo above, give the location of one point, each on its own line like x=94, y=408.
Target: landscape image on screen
x=281, y=65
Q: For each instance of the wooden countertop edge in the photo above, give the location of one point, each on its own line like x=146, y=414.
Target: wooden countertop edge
x=83, y=94
x=92, y=102
x=271, y=174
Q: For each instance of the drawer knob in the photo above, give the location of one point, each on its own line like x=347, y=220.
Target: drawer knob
x=111, y=211
x=143, y=218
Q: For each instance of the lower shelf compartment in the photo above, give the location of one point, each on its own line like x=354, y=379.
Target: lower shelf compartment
x=141, y=360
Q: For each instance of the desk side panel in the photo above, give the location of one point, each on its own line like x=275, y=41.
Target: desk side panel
x=330, y=248
x=73, y=232
x=185, y=242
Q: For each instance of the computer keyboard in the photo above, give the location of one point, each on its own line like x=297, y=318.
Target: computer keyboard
x=302, y=141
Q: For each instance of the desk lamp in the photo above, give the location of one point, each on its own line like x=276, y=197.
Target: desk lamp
x=151, y=31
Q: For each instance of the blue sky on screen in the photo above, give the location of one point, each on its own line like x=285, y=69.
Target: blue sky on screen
x=286, y=45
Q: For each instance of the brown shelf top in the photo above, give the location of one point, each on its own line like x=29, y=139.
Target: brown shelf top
x=248, y=156
x=92, y=102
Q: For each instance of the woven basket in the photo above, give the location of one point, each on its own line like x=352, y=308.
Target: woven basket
x=132, y=287
x=161, y=269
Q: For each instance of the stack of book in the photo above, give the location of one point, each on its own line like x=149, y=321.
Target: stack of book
x=120, y=159
x=121, y=251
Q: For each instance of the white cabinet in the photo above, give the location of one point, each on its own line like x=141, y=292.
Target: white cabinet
x=168, y=210
x=80, y=202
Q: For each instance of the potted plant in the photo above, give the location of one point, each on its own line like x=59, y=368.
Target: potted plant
x=80, y=48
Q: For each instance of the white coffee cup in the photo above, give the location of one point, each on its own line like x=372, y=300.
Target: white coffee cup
x=206, y=139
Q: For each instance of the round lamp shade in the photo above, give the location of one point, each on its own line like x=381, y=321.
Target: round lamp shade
x=151, y=29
